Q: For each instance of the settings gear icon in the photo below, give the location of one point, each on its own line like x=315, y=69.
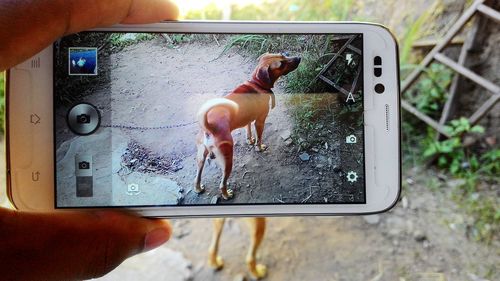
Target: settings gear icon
x=352, y=176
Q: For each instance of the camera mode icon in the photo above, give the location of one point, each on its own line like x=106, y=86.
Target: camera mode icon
x=83, y=119
x=351, y=139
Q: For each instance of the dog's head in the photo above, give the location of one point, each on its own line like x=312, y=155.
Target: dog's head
x=273, y=66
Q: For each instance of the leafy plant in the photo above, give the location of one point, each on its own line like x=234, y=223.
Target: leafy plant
x=430, y=93
x=450, y=153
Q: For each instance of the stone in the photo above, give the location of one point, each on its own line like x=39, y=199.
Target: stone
x=286, y=134
x=240, y=277
x=372, y=219
x=419, y=236
x=305, y=156
x=288, y=142
x=214, y=200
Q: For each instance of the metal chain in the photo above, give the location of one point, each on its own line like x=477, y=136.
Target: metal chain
x=150, y=128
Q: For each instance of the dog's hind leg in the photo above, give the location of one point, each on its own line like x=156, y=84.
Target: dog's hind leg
x=259, y=128
x=200, y=159
x=214, y=260
x=257, y=228
x=250, y=138
x=226, y=163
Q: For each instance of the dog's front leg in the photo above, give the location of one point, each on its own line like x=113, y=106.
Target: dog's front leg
x=250, y=138
x=259, y=128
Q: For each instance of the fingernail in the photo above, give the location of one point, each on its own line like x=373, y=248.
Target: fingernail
x=155, y=238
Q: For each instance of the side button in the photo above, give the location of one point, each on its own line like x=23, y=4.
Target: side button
x=378, y=71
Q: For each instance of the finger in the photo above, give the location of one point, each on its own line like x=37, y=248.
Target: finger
x=73, y=245
x=28, y=26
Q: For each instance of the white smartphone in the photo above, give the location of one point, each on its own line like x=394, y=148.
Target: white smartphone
x=208, y=119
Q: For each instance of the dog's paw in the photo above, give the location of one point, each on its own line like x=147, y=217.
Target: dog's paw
x=199, y=189
x=251, y=141
x=261, y=147
x=259, y=272
x=229, y=194
x=217, y=263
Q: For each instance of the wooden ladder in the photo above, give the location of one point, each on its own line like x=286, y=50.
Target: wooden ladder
x=478, y=6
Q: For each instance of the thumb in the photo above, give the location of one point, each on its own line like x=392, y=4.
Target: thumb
x=73, y=245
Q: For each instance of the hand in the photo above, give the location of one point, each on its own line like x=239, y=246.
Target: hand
x=70, y=245
x=28, y=26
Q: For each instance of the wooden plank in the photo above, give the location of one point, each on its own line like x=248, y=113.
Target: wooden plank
x=484, y=109
x=329, y=82
x=444, y=42
x=468, y=74
x=329, y=64
x=429, y=121
x=425, y=44
x=354, y=49
x=490, y=12
x=450, y=101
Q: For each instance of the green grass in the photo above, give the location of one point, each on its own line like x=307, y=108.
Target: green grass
x=119, y=41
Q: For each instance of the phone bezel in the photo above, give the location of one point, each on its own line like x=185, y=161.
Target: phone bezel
x=383, y=178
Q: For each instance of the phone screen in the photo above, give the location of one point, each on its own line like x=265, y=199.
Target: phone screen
x=156, y=119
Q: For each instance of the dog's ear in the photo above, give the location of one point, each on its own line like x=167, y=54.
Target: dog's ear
x=264, y=76
x=263, y=55
x=276, y=64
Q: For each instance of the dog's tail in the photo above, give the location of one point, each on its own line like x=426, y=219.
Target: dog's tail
x=207, y=106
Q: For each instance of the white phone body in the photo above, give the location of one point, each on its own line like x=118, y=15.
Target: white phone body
x=30, y=124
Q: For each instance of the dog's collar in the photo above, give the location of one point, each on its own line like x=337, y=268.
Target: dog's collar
x=261, y=90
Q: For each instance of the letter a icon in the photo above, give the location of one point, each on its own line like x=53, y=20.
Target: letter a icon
x=350, y=97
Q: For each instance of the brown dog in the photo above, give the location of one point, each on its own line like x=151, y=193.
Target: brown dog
x=248, y=103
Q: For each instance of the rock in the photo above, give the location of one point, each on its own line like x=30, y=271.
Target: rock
x=455, y=183
x=240, y=277
x=305, y=156
x=288, y=142
x=319, y=166
x=419, y=236
x=214, y=200
x=286, y=134
x=404, y=202
x=315, y=149
x=372, y=219
x=326, y=145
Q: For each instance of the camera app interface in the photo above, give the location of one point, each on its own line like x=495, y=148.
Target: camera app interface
x=156, y=119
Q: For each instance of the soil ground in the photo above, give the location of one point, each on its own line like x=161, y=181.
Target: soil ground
x=423, y=238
